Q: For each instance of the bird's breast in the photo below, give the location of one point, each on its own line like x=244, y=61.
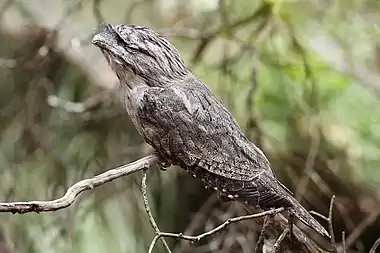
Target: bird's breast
x=132, y=98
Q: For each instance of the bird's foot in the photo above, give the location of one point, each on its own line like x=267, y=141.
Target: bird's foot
x=163, y=164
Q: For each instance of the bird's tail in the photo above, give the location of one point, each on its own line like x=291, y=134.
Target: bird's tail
x=305, y=217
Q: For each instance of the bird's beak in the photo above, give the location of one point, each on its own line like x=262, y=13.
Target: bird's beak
x=104, y=37
x=99, y=39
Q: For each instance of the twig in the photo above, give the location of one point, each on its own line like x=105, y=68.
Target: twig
x=261, y=236
x=319, y=215
x=344, y=249
x=262, y=11
x=278, y=242
x=153, y=243
x=375, y=245
x=215, y=230
x=331, y=230
x=151, y=218
x=79, y=187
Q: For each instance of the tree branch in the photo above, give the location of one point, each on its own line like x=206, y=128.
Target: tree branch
x=147, y=209
x=278, y=242
x=301, y=241
x=79, y=187
x=108, y=176
x=331, y=228
x=215, y=230
x=375, y=245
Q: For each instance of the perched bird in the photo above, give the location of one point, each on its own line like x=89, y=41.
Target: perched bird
x=186, y=124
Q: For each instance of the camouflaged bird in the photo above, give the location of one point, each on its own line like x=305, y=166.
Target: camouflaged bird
x=186, y=124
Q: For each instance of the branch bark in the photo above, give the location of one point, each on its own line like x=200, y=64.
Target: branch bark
x=299, y=242
x=79, y=187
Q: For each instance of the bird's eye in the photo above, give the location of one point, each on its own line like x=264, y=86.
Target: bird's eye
x=133, y=47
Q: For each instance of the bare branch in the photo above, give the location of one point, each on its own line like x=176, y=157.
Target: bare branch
x=344, y=248
x=153, y=243
x=79, y=187
x=331, y=230
x=375, y=245
x=319, y=215
x=215, y=230
x=261, y=236
x=278, y=242
x=300, y=241
x=206, y=40
x=147, y=209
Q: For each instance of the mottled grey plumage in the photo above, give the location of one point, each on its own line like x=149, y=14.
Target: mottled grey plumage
x=186, y=124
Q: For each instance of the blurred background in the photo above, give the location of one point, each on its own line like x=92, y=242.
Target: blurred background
x=301, y=77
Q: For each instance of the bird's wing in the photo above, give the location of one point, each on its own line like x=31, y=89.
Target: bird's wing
x=190, y=127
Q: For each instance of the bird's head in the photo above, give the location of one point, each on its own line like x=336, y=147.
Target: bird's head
x=138, y=52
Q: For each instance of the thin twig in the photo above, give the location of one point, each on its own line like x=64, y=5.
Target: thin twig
x=148, y=211
x=276, y=246
x=79, y=187
x=153, y=243
x=215, y=230
x=261, y=236
x=375, y=245
x=331, y=230
x=319, y=215
x=344, y=249
x=206, y=40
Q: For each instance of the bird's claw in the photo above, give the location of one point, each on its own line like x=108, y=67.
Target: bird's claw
x=163, y=165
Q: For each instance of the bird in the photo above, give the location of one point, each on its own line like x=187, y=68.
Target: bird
x=187, y=125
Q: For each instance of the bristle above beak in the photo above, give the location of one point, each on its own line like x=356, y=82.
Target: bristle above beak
x=100, y=37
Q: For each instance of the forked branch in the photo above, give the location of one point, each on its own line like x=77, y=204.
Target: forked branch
x=79, y=187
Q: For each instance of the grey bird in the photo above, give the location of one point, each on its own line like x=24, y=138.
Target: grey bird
x=187, y=125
